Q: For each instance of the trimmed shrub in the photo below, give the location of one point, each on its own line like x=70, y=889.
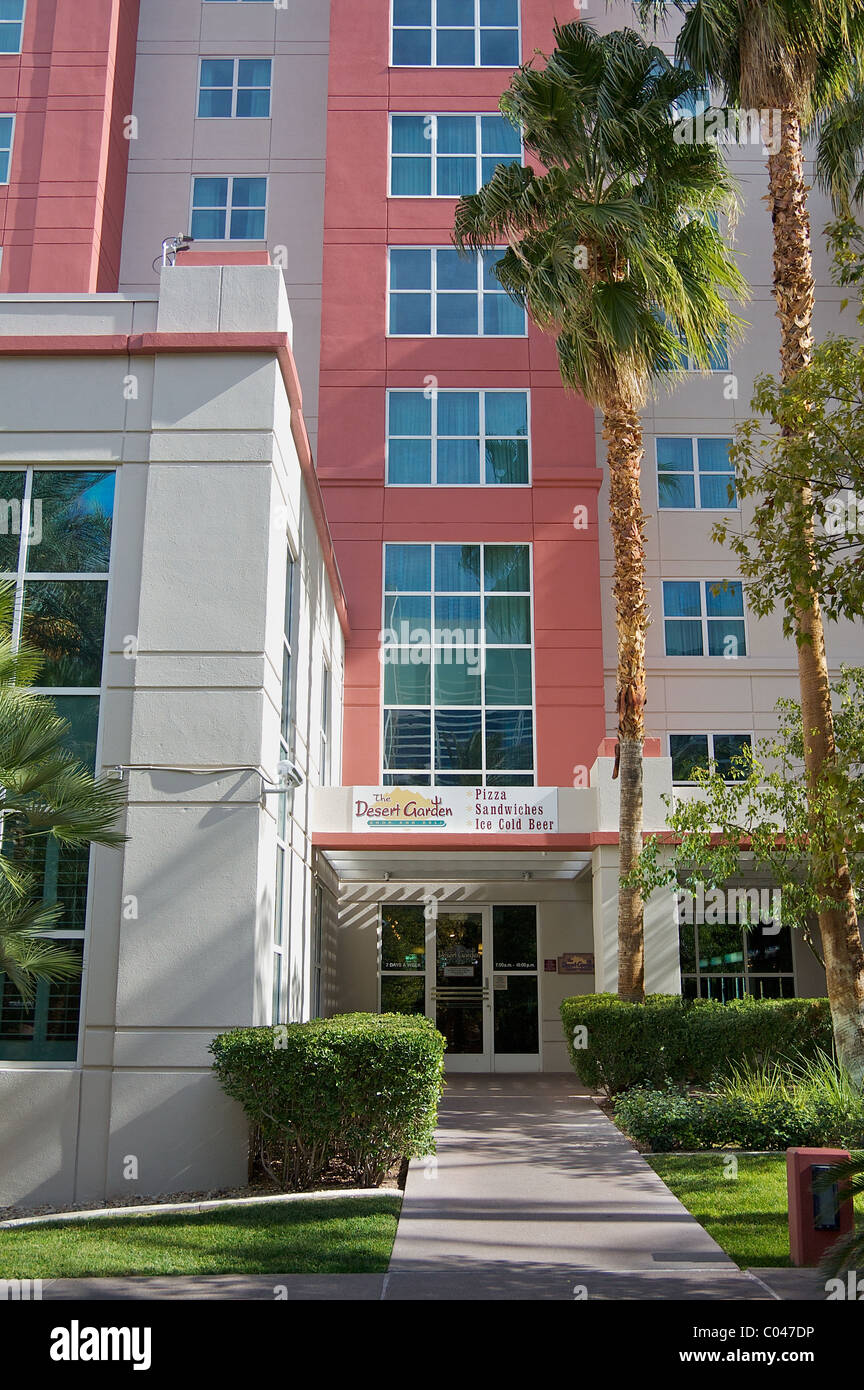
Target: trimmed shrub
x=812, y=1103
x=668, y=1120
x=673, y=1040
x=359, y=1088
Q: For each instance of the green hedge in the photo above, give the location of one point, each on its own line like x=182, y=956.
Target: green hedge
x=670, y=1039
x=668, y=1119
x=359, y=1088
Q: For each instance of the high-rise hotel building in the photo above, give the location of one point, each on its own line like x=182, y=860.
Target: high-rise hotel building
x=322, y=547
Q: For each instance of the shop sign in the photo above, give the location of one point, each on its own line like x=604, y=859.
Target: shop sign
x=458, y=810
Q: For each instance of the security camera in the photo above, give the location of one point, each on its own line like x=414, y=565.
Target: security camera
x=288, y=774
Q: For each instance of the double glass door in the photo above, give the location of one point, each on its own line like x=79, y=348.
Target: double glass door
x=482, y=989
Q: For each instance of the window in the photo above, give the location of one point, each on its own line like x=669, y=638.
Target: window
x=446, y=156
x=694, y=473
x=7, y=131
x=55, y=546
x=228, y=209
x=701, y=618
x=456, y=33
x=234, y=87
x=435, y=292
x=403, y=958
x=691, y=751
x=317, y=998
x=457, y=438
x=11, y=25
x=325, y=726
x=733, y=959
x=458, y=669
x=284, y=799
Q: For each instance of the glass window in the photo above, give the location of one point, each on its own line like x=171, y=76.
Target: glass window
x=435, y=292
x=710, y=485
x=458, y=664
x=55, y=543
x=7, y=130
x=455, y=33
x=457, y=438
x=691, y=751
x=734, y=959
x=228, y=209
x=704, y=618
x=11, y=25
x=234, y=87
x=442, y=156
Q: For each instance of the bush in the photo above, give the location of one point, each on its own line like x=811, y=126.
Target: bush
x=360, y=1088
x=673, y=1040
x=812, y=1103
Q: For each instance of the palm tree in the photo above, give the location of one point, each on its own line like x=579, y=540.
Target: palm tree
x=799, y=59
x=615, y=250
x=45, y=794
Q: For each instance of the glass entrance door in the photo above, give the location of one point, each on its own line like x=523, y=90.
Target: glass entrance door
x=483, y=989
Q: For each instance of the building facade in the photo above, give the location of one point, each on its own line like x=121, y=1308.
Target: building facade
x=312, y=497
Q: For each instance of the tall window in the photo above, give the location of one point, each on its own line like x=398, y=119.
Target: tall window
x=11, y=25
x=702, y=618
x=234, y=87
x=456, y=33
x=458, y=670
x=317, y=999
x=457, y=438
x=326, y=750
x=55, y=546
x=7, y=131
x=283, y=799
x=435, y=292
x=695, y=474
x=228, y=209
x=691, y=751
x=446, y=156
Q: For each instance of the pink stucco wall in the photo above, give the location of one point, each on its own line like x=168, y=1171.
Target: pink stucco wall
x=70, y=90
x=358, y=364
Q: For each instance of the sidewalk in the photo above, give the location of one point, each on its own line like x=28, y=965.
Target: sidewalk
x=535, y=1195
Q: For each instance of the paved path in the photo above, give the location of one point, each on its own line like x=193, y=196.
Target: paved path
x=535, y=1194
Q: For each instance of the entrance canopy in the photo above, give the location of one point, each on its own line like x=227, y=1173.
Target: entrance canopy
x=363, y=865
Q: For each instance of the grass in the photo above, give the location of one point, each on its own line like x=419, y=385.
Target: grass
x=332, y=1237
x=746, y=1215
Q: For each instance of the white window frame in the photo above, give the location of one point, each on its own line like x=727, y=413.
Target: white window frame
x=703, y=733
x=479, y=156
x=431, y=772
x=482, y=392
x=8, y=149
x=234, y=88
x=705, y=620
x=229, y=207
x=460, y=67
x=82, y=934
x=695, y=474
x=11, y=53
x=433, y=292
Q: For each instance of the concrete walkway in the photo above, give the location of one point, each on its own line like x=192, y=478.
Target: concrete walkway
x=535, y=1194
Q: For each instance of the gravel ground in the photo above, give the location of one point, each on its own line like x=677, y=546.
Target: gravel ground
x=394, y=1179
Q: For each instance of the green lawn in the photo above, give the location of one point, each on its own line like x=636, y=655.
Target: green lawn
x=332, y=1237
x=746, y=1215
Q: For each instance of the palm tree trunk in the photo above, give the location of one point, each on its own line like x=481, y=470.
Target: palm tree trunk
x=794, y=292
x=622, y=431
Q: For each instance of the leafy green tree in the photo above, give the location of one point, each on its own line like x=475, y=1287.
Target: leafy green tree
x=612, y=247
x=798, y=61
x=46, y=793
x=769, y=818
